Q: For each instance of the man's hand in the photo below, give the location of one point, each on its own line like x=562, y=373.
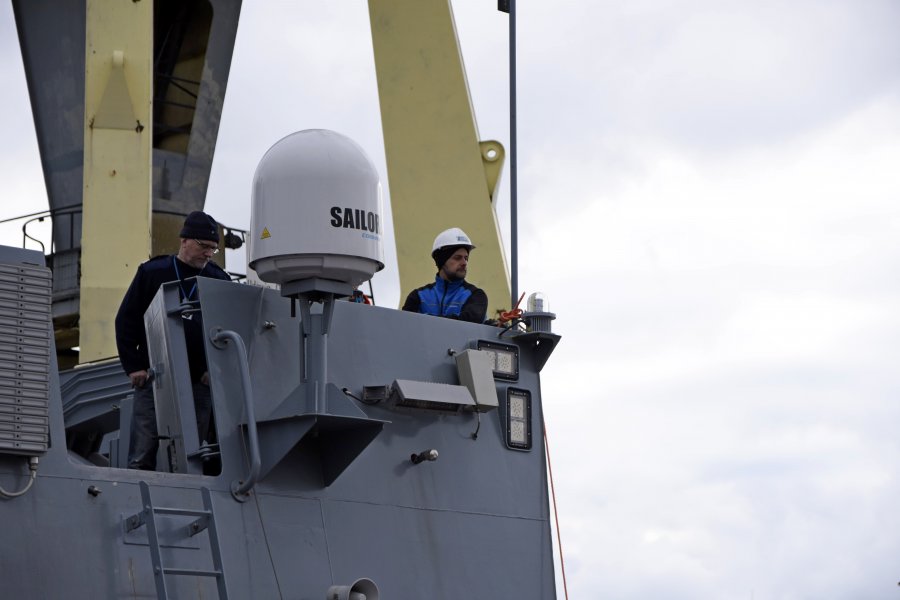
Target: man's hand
x=204, y=379
x=139, y=378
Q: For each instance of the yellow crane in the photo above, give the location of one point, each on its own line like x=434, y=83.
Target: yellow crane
x=154, y=77
x=440, y=174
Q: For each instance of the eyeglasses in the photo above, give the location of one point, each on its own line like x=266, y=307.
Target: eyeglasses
x=208, y=247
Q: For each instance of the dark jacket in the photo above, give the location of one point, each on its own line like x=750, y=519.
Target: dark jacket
x=451, y=299
x=131, y=338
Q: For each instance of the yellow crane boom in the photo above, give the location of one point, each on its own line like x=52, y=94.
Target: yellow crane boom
x=440, y=174
x=117, y=164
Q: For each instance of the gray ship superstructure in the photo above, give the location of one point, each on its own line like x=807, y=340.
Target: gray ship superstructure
x=361, y=452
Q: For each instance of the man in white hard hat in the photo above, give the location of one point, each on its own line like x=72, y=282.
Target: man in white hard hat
x=450, y=295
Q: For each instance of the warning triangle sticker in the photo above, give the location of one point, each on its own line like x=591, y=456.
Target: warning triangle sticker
x=265, y=233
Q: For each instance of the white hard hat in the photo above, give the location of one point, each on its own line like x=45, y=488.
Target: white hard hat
x=451, y=237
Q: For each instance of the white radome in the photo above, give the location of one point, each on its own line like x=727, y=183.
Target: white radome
x=316, y=211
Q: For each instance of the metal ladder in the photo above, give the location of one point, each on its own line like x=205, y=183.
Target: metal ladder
x=205, y=520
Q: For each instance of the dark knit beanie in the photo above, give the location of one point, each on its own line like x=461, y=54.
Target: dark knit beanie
x=441, y=255
x=200, y=226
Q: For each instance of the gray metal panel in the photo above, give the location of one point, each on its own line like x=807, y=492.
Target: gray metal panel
x=97, y=410
x=66, y=274
x=273, y=338
x=171, y=381
x=476, y=373
x=427, y=395
x=413, y=552
x=291, y=521
x=25, y=348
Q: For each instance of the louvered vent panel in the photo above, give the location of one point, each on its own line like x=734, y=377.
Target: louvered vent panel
x=25, y=347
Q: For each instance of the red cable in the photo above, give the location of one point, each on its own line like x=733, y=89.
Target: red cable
x=562, y=562
x=515, y=313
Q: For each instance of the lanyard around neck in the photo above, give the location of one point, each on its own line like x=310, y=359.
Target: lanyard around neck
x=181, y=283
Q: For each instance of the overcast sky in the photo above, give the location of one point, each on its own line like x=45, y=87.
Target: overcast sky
x=709, y=199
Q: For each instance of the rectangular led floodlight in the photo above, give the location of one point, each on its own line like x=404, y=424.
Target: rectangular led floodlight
x=518, y=419
x=504, y=359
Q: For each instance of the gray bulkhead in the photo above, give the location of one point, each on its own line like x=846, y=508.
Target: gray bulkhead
x=472, y=524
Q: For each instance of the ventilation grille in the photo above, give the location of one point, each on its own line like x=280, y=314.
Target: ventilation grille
x=25, y=347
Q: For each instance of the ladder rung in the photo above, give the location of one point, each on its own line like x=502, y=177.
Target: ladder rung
x=187, y=512
x=199, y=572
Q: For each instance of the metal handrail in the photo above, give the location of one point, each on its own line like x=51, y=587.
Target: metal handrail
x=240, y=488
x=25, y=235
x=39, y=217
x=71, y=212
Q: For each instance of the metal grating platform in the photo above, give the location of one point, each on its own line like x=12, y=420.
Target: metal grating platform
x=25, y=346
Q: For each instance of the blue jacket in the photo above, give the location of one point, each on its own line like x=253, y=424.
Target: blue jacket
x=451, y=299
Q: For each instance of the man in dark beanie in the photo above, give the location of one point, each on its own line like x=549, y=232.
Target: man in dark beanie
x=199, y=242
x=450, y=295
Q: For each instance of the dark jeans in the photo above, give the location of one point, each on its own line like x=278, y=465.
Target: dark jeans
x=144, y=442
